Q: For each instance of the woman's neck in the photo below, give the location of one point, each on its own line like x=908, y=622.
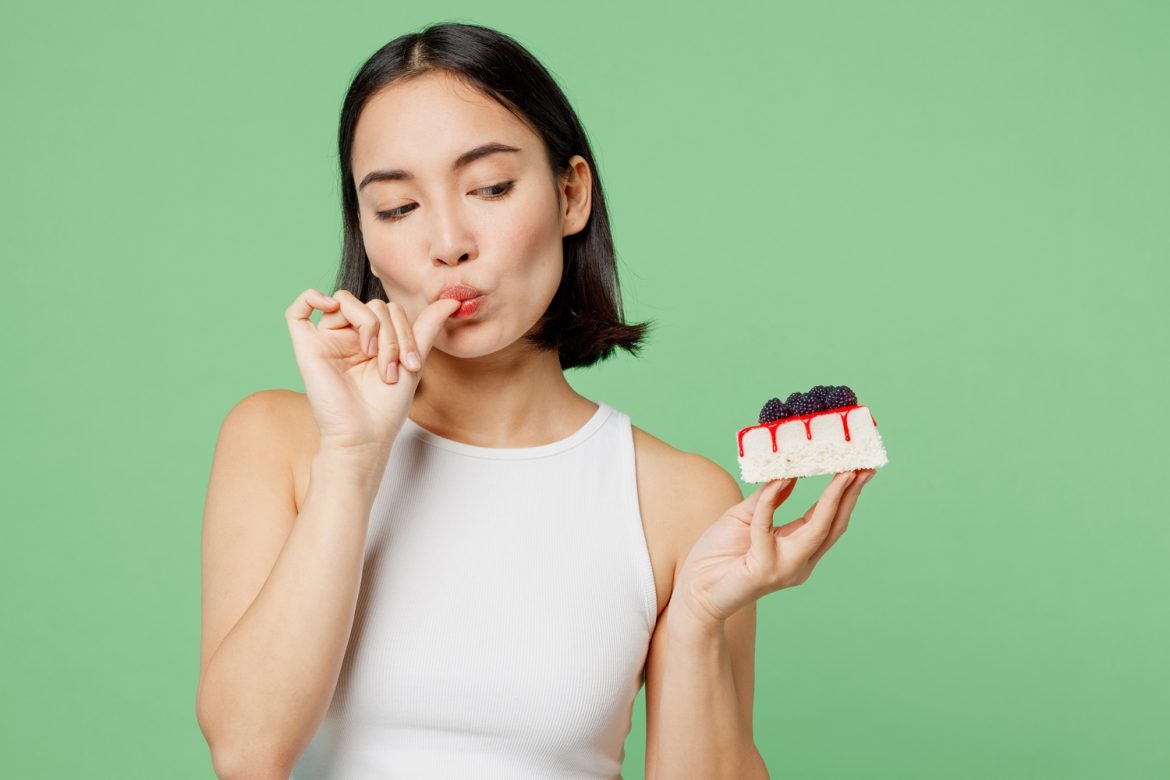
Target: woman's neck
x=507, y=399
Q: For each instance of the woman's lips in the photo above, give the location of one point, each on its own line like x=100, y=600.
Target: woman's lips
x=471, y=299
x=468, y=307
x=460, y=292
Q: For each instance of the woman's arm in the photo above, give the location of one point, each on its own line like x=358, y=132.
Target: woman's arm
x=268, y=675
x=702, y=731
x=699, y=686
x=737, y=560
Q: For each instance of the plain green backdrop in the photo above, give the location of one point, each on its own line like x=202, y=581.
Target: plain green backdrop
x=958, y=209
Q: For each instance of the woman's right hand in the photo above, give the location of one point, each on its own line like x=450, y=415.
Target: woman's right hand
x=345, y=358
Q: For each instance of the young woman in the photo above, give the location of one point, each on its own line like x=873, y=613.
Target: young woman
x=441, y=561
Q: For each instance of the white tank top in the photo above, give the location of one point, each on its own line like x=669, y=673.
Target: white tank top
x=504, y=618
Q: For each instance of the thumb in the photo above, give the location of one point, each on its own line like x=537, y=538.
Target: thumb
x=426, y=326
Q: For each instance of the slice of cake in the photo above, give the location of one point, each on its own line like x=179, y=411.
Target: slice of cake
x=823, y=431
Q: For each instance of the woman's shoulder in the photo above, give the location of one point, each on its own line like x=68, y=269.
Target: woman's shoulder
x=660, y=457
x=676, y=479
x=680, y=494
x=289, y=427
x=295, y=406
x=287, y=411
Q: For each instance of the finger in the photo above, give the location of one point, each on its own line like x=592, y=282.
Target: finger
x=357, y=315
x=405, y=333
x=800, y=522
x=764, y=503
x=844, y=512
x=429, y=321
x=306, y=302
x=336, y=318
x=387, y=341
x=813, y=533
x=748, y=505
x=785, y=491
x=298, y=313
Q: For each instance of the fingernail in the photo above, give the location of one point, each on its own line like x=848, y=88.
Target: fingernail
x=392, y=370
x=372, y=347
x=412, y=360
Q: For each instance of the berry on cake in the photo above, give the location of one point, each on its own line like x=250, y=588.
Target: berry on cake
x=822, y=431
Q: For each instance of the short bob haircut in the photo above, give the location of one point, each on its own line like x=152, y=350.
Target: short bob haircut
x=584, y=321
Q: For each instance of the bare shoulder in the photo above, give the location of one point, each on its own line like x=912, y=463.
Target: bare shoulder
x=284, y=421
x=255, y=420
x=297, y=416
x=271, y=401
x=681, y=493
x=686, y=476
x=297, y=433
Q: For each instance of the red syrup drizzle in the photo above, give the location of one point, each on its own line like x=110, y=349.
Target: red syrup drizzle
x=841, y=411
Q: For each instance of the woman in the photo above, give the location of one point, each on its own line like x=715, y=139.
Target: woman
x=473, y=575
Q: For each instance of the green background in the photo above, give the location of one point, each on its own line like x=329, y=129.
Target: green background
x=959, y=209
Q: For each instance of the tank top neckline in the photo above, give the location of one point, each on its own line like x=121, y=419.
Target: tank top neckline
x=512, y=453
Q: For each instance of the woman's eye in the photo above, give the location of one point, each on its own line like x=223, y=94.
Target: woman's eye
x=494, y=192
x=505, y=185
x=390, y=216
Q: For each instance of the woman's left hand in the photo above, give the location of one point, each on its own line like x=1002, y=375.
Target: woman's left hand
x=742, y=557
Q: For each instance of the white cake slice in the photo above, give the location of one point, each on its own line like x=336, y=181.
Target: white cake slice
x=841, y=439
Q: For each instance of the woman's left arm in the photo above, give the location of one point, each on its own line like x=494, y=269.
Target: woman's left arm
x=738, y=559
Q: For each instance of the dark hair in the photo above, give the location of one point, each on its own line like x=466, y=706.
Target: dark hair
x=584, y=321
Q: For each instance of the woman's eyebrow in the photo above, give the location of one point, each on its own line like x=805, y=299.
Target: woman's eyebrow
x=463, y=160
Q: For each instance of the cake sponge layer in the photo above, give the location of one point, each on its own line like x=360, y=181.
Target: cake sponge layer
x=810, y=445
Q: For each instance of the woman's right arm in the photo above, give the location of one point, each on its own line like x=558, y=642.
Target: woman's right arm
x=279, y=589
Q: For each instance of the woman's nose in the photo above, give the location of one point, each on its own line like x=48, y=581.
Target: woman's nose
x=452, y=242
x=453, y=257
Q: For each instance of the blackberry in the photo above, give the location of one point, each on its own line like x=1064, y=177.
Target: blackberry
x=833, y=399
x=840, y=396
x=820, y=396
x=773, y=410
x=793, y=398
x=804, y=404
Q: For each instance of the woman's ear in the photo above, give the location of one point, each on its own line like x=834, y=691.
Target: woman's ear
x=575, y=193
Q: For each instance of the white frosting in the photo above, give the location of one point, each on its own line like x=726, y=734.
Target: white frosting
x=826, y=453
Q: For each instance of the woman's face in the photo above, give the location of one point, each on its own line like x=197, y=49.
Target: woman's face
x=494, y=223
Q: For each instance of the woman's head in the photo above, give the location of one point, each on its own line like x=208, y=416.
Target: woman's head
x=523, y=219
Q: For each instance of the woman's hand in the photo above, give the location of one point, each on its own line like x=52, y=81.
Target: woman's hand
x=742, y=557
x=350, y=363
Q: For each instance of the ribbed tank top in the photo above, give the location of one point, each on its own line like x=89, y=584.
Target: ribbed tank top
x=504, y=616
